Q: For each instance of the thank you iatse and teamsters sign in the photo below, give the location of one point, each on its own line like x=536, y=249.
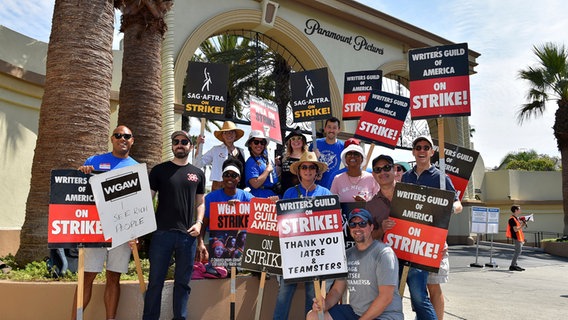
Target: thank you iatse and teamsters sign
x=311, y=238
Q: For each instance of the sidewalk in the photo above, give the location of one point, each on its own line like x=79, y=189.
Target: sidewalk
x=540, y=292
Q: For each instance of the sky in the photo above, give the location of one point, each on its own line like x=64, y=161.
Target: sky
x=502, y=31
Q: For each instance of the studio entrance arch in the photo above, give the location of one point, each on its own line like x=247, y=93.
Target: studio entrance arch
x=286, y=35
x=196, y=21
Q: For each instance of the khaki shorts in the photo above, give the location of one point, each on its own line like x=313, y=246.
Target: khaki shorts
x=443, y=273
x=117, y=259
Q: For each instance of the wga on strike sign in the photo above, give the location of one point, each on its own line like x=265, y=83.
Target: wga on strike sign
x=439, y=81
x=262, y=251
x=73, y=215
x=311, y=238
x=383, y=119
x=422, y=217
x=459, y=164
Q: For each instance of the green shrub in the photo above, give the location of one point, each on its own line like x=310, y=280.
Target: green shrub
x=39, y=271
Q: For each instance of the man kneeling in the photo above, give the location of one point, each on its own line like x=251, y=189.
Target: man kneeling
x=372, y=279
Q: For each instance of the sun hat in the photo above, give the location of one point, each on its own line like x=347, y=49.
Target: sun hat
x=228, y=126
x=296, y=133
x=308, y=156
x=256, y=134
x=353, y=146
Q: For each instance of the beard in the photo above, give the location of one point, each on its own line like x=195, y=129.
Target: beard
x=181, y=153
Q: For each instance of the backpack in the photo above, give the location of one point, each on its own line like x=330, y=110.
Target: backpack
x=60, y=260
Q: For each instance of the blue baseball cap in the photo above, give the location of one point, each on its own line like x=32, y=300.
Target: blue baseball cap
x=361, y=213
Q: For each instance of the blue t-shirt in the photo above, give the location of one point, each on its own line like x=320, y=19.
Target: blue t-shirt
x=331, y=155
x=254, y=167
x=220, y=196
x=107, y=161
x=292, y=193
x=428, y=178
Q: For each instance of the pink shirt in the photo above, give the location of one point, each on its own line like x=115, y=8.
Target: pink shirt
x=347, y=187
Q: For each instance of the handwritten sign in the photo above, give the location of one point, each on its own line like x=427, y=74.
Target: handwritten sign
x=124, y=202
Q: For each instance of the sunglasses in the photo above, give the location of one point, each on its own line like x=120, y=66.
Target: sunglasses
x=126, y=136
x=230, y=175
x=385, y=168
x=361, y=224
x=295, y=138
x=425, y=148
x=398, y=168
x=261, y=142
x=305, y=167
x=184, y=142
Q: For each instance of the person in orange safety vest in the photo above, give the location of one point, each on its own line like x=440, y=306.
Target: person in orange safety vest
x=515, y=232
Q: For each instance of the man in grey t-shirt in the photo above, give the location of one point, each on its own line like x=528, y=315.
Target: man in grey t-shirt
x=372, y=269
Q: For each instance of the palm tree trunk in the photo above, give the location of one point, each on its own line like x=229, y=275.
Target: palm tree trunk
x=561, y=133
x=140, y=99
x=282, y=94
x=75, y=110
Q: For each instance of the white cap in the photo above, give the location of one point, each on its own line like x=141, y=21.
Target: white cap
x=232, y=168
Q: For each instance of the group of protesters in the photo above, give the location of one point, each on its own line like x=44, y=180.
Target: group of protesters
x=327, y=166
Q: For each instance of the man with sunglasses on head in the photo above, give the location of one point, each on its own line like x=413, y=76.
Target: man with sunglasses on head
x=420, y=282
x=179, y=217
x=372, y=279
x=117, y=259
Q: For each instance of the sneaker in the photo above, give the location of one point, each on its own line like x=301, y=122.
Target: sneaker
x=512, y=268
x=519, y=268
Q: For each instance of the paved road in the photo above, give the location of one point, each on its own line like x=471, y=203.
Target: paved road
x=540, y=292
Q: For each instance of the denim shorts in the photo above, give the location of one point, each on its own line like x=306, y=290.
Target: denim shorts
x=117, y=259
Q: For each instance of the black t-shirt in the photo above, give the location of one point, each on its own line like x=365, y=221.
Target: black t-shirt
x=176, y=187
x=287, y=178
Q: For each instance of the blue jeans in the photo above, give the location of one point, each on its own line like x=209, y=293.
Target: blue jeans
x=163, y=245
x=416, y=281
x=286, y=294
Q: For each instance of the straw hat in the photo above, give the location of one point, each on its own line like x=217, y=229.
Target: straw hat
x=229, y=126
x=308, y=156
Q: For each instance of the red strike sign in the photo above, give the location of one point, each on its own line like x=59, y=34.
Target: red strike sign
x=417, y=243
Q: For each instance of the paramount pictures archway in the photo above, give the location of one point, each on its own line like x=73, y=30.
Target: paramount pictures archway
x=341, y=23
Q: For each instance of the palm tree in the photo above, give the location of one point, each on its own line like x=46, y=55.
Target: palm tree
x=251, y=64
x=549, y=81
x=75, y=110
x=140, y=99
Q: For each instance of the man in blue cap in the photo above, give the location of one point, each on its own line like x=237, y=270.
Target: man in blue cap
x=372, y=278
